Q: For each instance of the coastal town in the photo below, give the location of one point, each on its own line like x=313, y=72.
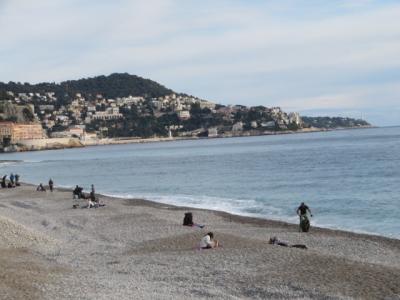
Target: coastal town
x=47, y=120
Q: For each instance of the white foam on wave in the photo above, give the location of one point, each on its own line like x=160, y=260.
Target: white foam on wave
x=243, y=207
x=9, y=162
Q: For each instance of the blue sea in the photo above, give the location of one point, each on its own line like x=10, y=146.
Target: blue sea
x=350, y=178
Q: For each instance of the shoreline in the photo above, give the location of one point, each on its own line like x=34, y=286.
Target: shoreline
x=135, y=248
x=245, y=219
x=250, y=220
x=232, y=217
x=70, y=143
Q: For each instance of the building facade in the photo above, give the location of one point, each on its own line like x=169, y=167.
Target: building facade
x=13, y=132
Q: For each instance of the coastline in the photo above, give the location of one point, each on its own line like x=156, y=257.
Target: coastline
x=138, y=249
x=65, y=143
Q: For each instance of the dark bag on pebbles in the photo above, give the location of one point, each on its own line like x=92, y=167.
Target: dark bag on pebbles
x=188, y=219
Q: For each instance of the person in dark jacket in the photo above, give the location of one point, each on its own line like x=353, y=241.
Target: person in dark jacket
x=303, y=209
x=12, y=178
x=51, y=183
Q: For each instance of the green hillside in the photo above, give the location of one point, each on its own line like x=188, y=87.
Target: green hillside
x=112, y=86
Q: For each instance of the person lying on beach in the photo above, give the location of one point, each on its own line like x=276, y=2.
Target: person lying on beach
x=208, y=242
x=92, y=204
x=275, y=241
x=188, y=221
x=40, y=188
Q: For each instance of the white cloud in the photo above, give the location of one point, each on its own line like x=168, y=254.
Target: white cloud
x=355, y=3
x=258, y=53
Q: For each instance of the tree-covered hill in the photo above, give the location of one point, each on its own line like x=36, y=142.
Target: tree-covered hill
x=112, y=86
x=333, y=122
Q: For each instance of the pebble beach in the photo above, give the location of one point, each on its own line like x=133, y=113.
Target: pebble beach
x=137, y=249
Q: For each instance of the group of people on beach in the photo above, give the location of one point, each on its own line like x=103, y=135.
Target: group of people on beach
x=41, y=188
x=208, y=241
x=12, y=182
x=92, y=200
x=77, y=193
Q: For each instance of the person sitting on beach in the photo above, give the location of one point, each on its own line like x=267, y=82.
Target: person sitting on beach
x=17, y=180
x=40, y=188
x=10, y=185
x=275, y=241
x=208, y=242
x=94, y=202
x=188, y=220
x=91, y=204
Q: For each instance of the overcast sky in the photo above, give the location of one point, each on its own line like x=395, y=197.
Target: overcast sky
x=317, y=57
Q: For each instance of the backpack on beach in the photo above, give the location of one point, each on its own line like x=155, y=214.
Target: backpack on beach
x=188, y=219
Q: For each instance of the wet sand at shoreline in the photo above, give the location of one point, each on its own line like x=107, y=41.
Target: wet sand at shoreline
x=137, y=249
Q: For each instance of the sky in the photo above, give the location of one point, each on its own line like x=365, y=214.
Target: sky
x=316, y=57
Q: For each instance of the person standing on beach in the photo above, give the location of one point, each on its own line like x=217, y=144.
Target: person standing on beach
x=93, y=195
x=3, y=181
x=51, y=185
x=303, y=209
x=302, y=213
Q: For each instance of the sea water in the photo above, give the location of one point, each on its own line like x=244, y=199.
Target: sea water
x=350, y=178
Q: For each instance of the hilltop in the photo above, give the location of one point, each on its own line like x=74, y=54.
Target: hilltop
x=111, y=86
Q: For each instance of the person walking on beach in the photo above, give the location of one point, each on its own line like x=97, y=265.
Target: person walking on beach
x=302, y=213
x=303, y=209
x=51, y=185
